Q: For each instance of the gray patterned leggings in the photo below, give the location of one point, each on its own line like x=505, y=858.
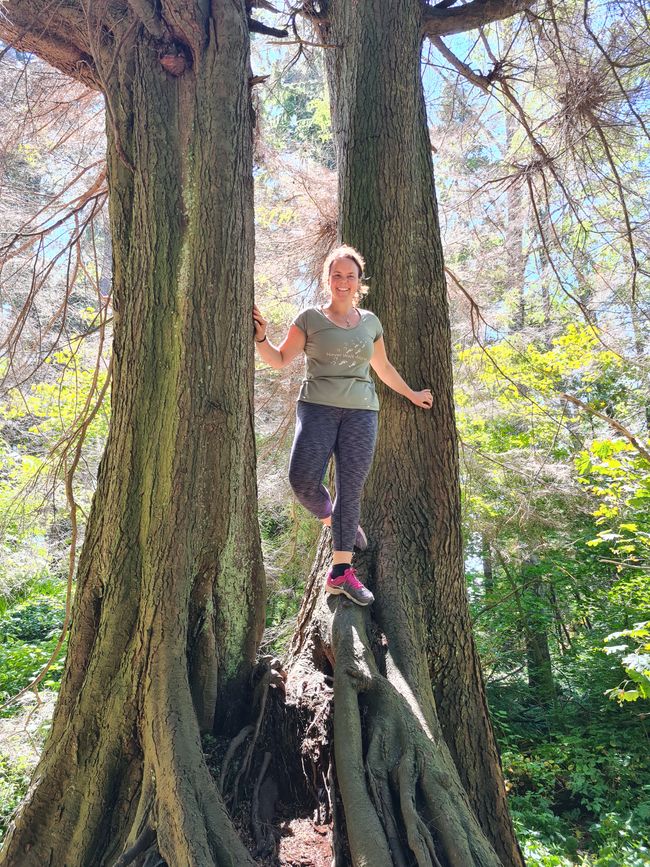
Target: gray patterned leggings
x=350, y=435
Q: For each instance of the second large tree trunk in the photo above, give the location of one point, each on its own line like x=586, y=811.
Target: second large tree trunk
x=170, y=590
x=412, y=503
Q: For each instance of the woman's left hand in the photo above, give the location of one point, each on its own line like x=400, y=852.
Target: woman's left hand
x=422, y=398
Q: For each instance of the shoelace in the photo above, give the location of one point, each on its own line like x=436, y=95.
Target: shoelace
x=351, y=576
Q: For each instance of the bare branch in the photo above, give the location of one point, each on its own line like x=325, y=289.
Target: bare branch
x=438, y=21
x=476, y=78
x=56, y=32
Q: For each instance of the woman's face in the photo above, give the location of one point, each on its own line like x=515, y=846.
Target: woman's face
x=344, y=279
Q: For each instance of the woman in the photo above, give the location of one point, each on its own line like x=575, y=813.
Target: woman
x=337, y=407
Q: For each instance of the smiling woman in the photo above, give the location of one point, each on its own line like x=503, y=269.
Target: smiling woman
x=337, y=407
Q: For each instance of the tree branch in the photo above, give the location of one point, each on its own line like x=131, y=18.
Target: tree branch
x=617, y=426
x=476, y=78
x=256, y=26
x=54, y=31
x=440, y=21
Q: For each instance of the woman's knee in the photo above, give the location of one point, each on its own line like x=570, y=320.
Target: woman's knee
x=303, y=482
x=297, y=480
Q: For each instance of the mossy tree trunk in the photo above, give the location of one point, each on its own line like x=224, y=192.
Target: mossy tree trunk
x=170, y=588
x=411, y=508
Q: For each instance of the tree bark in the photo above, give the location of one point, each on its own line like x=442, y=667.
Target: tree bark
x=439, y=20
x=170, y=588
x=411, y=508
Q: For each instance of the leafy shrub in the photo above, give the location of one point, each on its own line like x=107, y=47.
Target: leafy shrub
x=22, y=661
x=581, y=798
x=36, y=619
x=636, y=663
x=273, y=523
x=14, y=779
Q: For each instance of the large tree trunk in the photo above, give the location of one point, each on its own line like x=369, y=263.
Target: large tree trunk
x=170, y=589
x=411, y=507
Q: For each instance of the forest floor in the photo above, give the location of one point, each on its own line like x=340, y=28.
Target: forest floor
x=22, y=734
x=303, y=844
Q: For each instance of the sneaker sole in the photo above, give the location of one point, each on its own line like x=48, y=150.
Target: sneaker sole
x=338, y=591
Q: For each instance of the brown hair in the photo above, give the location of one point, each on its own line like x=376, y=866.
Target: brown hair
x=345, y=252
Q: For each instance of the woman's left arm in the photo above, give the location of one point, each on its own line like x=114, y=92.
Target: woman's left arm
x=387, y=373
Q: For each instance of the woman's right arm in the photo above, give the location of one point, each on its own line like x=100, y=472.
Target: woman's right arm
x=277, y=357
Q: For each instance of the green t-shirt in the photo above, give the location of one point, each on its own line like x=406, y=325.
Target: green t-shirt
x=337, y=364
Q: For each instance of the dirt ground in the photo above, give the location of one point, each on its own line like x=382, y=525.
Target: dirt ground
x=304, y=844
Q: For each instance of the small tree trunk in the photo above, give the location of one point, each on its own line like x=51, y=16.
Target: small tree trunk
x=488, y=572
x=169, y=603
x=538, y=653
x=561, y=630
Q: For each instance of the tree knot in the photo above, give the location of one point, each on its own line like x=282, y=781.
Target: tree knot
x=174, y=59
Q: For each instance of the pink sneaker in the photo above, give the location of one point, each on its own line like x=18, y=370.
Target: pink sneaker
x=349, y=585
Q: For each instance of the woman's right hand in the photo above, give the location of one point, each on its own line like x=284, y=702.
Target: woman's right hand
x=260, y=324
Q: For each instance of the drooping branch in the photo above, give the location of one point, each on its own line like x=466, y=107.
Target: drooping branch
x=56, y=32
x=440, y=21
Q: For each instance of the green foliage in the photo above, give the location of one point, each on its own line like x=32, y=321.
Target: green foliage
x=34, y=420
x=289, y=539
x=273, y=524
x=54, y=408
x=23, y=566
x=297, y=113
x=29, y=631
x=21, y=661
x=14, y=780
x=618, y=477
x=635, y=663
x=36, y=619
x=578, y=780
x=560, y=500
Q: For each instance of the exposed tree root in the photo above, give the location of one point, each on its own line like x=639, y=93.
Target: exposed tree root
x=400, y=790
x=142, y=844
x=392, y=794
x=261, y=814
